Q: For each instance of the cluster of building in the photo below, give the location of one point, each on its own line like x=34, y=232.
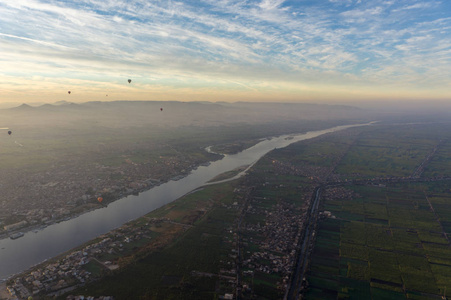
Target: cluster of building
x=271, y=246
x=277, y=241
x=313, y=172
x=42, y=198
x=69, y=272
x=339, y=192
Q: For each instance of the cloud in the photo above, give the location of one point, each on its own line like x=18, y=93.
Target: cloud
x=247, y=43
x=270, y=4
x=361, y=15
x=420, y=5
x=34, y=41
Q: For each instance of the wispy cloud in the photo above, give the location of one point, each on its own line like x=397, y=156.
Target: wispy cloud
x=248, y=43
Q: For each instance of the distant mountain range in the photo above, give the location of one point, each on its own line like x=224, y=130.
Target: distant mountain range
x=116, y=114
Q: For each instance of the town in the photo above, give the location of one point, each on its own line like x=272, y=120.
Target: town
x=73, y=188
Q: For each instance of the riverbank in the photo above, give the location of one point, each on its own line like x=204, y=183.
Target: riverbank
x=116, y=192
x=60, y=237
x=131, y=241
x=94, y=204
x=228, y=174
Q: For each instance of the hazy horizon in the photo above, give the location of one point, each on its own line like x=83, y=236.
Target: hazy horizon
x=426, y=106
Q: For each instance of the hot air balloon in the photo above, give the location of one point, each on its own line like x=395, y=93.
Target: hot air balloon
x=100, y=199
x=129, y=80
x=9, y=132
x=161, y=109
x=68, y=92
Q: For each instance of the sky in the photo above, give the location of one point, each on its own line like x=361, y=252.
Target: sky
x=225, y=50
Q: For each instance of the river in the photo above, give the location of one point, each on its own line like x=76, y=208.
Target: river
x=36, y=246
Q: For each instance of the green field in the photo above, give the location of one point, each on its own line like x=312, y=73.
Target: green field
x=386, y=151
x=392, y=242
x=405, y=256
